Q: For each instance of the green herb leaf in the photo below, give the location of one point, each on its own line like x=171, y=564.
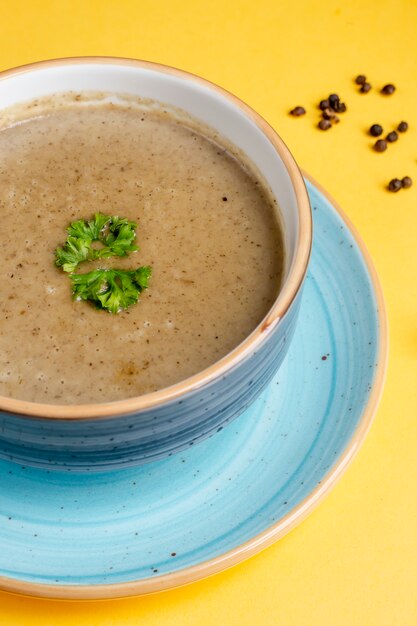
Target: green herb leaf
x=90, y=230
x=74, y=251
x=112, y=290
x=118, y=240
x=114, y=233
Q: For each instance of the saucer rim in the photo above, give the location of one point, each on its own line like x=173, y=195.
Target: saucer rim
x=285, y=524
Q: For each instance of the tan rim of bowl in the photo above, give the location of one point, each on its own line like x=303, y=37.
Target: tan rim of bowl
x=281, y=305
x=275, y=532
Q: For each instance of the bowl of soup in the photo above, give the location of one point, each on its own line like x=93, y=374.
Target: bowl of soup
x=192, y=185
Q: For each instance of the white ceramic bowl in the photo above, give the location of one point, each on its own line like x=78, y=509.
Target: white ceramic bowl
x=156, y=424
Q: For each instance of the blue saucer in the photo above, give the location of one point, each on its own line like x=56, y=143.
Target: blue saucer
x=173, y=521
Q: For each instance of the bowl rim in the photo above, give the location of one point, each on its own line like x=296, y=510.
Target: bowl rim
x=277, y=311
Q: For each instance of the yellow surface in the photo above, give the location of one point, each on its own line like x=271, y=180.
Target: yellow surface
x=354, y=561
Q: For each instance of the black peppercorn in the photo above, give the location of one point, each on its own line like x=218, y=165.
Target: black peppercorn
x=406, y=182
x=376, y=130
x=335, y=104
x=324, y=104
x=365, y=88
x=395, y=184
x=402, y=127
x=359, y=80
x=392, y=136
x=324, y=124
x=380, y=145
x=328, y=114
x=388, y=90
x=297, y=111
x=334, y=100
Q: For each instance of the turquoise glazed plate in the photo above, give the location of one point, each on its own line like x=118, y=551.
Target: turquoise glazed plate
x=170, y=522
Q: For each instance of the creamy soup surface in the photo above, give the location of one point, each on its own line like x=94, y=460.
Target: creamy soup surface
x=206, y=225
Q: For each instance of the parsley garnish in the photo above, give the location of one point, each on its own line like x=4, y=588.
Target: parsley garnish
x=75, y=251
x=113, y=290
x=114, y=233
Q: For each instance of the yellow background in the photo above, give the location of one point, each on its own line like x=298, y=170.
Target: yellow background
x=353, y=562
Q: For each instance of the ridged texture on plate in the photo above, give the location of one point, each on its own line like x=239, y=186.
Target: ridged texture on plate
x=62, y=527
